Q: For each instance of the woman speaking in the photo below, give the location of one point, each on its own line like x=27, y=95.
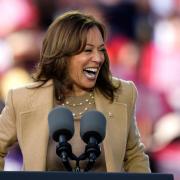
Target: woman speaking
x=73, y=72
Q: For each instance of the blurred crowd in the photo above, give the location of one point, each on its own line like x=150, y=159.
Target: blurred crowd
x=143, y=45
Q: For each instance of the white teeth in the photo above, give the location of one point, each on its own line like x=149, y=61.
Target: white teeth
x=92, y=69
x=91, y=72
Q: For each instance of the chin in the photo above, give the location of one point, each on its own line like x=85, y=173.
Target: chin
x=89, y=86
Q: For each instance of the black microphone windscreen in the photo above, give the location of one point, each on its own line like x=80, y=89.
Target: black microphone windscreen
x=61, y=122
x=93, y=123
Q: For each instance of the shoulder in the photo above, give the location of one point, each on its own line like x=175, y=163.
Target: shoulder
x=29, y=90
x=124, y=84
x=23, y=97
x=37, y=84
x=126, y=91
x=33, y=86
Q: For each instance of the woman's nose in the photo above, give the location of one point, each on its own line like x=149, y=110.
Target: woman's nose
x=98, y=57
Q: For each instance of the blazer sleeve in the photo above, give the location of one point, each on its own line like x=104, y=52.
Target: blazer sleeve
x=7, y=128
x=135, y=158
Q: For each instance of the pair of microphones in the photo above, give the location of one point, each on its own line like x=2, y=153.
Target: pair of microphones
x=92, y=132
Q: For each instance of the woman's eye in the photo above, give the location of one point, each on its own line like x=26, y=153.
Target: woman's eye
x=87, y=50
x=103, y=50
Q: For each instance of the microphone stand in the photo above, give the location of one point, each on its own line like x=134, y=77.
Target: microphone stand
x=64, y=151
x=92, y=152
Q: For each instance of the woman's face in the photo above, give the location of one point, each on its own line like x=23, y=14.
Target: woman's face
x=84, y=67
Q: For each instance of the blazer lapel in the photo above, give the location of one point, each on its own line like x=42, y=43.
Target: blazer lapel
x=116, y=131
x=34, y=128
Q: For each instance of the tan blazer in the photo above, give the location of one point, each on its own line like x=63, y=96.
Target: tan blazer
x=24, y=119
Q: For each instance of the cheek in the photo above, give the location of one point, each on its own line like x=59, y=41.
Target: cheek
x=75, y=73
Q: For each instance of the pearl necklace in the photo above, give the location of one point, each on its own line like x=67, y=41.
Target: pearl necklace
x=83, y=106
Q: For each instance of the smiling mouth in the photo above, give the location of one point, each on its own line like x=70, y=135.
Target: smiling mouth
x=91, y=73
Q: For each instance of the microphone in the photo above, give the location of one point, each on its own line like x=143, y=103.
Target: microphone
x=61, y=129
x=92, y=132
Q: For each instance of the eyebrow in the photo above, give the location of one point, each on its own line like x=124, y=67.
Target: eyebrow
x=102, y=45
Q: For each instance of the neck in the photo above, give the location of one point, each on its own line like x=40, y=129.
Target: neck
x=79, y=92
